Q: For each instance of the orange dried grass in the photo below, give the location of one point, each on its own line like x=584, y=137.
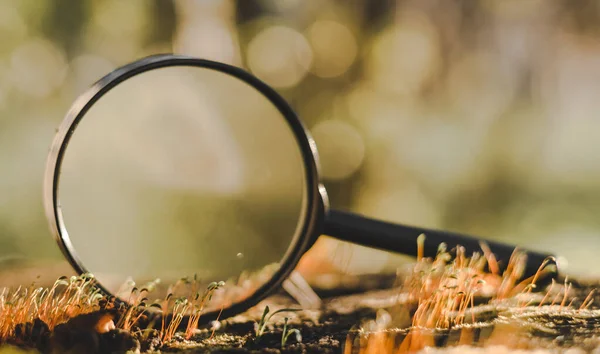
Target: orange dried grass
x=444, y=289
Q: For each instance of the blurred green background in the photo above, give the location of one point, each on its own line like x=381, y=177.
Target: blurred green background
x=475, y=116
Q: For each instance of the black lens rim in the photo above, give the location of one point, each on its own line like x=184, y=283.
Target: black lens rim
x=314, y=194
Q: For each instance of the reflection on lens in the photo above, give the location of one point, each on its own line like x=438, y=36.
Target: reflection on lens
x=182, y=173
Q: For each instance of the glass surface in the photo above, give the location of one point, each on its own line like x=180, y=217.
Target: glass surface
x=183, y=172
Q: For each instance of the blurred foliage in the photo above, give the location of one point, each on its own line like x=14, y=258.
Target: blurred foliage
x=476, y=116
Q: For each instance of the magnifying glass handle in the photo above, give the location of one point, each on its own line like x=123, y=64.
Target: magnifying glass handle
x=403, y=239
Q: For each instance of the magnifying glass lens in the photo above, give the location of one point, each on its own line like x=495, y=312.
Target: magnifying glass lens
x=180, y=172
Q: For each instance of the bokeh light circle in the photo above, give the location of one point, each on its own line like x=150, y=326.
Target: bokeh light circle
x=38, y=67
x=280, y=56
x=341, y=148
x=334, y=48
x=209, y=39
x=405, y=56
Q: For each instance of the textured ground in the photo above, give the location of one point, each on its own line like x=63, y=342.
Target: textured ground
x=355, y=319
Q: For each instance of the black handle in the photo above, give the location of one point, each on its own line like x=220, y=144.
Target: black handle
x=403, y=239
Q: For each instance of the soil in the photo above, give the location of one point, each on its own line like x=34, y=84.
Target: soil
x=352, y=320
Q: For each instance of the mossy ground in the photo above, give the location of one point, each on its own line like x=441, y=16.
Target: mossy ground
x=444, y=303
x=371, y=322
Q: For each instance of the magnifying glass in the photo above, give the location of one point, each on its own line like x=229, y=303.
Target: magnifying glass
x=173, y=167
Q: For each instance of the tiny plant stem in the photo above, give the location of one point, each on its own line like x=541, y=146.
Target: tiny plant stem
x=266, y=317
x=555, y=298
x=420, y=247
x=283, y=334
x=542, y=266
x=587, y=298
x=491, y=258
x=287, y=333
x=567, y=290
x=217, y=320
x=199, y=307
x=262, y=323
x=472, y=309
x=547, y=293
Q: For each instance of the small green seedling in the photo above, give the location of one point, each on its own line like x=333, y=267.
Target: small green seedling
x=262, y=325
x=287, y=332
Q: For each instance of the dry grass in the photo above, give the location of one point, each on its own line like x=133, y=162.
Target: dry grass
x=445, y=287
x=191, y=305
x=78, y=295
x=443, y=293
x=67, y=298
